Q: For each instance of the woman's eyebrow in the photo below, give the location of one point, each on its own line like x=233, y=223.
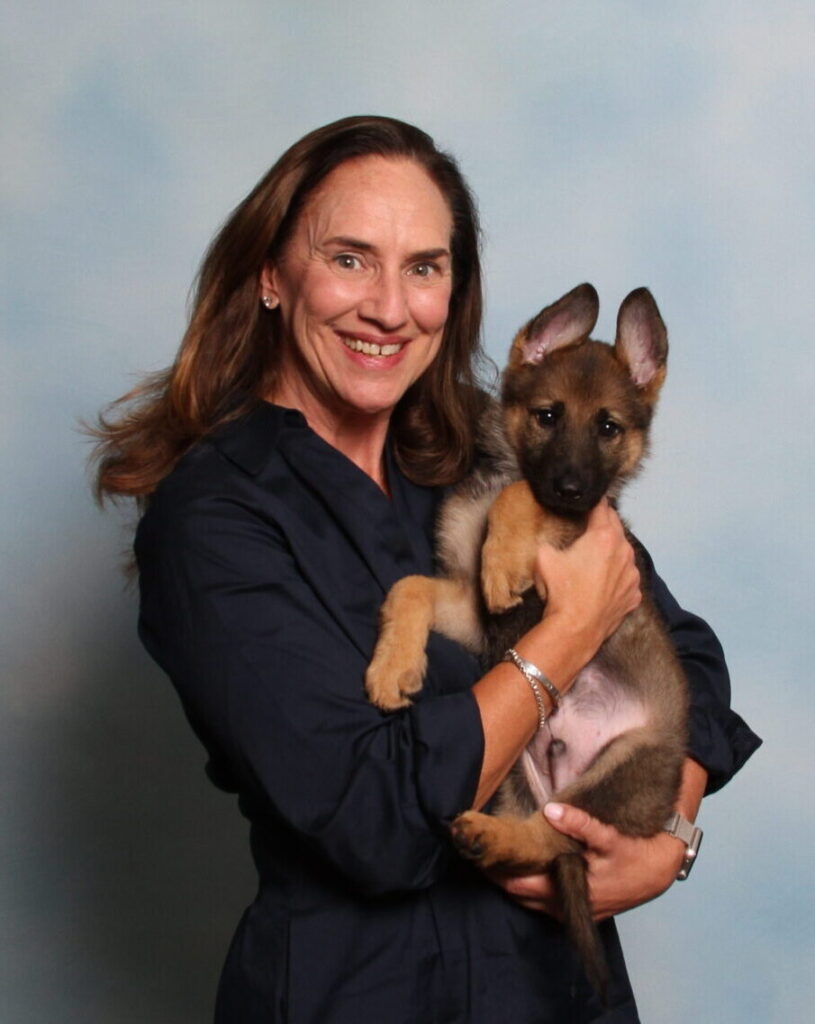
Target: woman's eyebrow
x=355, y=243
x=430, y=254
x=350, y=243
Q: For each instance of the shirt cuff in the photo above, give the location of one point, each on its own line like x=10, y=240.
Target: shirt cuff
x=449, y=743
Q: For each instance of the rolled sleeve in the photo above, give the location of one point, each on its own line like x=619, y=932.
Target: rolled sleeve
x=445, y=729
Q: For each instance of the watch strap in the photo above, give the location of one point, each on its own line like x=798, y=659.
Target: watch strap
x=679, y=826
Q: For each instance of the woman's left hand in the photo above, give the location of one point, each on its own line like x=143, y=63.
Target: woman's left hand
x=622, y=872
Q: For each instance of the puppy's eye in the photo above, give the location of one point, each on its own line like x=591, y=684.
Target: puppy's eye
x=546, y=417
x=608, y=428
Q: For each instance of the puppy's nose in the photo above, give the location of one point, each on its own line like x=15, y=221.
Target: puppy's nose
x=568, y=487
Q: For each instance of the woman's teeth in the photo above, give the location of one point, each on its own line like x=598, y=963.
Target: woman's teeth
x=369, y=348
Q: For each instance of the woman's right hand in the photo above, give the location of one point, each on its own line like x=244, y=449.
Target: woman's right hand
x=594, y=583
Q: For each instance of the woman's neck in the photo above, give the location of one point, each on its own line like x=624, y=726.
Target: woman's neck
x=363, y=444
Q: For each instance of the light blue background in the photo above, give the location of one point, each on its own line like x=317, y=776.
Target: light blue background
x=625, y=143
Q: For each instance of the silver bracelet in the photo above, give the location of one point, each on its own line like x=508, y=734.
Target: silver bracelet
x=529, y=669
x=536, y=679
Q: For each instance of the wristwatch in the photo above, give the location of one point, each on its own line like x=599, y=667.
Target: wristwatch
x=690, y=835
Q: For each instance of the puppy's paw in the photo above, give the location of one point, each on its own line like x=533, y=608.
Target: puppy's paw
x=390, y=684
x=506, y=573
x=483, y=839
x=501, y=590
x=518, y=845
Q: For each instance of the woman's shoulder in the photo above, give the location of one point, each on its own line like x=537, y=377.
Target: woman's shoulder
x=239, y=449
x=219, y=475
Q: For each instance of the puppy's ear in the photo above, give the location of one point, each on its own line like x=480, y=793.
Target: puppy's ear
x=565, y=322
x=642, y=342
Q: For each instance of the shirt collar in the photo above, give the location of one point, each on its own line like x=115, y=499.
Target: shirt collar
x=250, y=440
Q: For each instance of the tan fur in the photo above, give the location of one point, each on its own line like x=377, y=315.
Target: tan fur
x=512, y=843
x=516, y=527
x=414, y=606
x=461, y=532
x=514, y=524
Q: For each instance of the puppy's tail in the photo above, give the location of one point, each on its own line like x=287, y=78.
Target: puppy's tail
x=570, y=878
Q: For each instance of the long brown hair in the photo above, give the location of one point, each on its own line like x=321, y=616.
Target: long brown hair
x=228, y=355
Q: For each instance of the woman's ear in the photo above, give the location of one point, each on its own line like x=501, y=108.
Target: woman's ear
x=268, y=287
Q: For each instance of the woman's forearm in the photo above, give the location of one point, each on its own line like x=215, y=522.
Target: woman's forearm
x=508, y=707
x=694, y=781
x=590, y=586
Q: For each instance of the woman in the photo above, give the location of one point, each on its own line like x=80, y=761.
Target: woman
x=290, y=463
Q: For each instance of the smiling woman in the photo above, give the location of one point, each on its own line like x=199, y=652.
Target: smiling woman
x=290, y=464
x=233, y=349
x=363, y=287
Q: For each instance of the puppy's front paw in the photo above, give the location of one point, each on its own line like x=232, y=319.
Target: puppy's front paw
x=506, y=573
x=390, y=683
x=502, y=591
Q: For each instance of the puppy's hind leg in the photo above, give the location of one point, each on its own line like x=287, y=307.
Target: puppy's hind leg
x=414, y=606
x=518, y=845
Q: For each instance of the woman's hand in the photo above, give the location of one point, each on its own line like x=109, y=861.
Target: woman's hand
x=594, y=583
x=622, y=872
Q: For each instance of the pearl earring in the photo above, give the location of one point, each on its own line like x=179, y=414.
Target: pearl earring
x=269, y=302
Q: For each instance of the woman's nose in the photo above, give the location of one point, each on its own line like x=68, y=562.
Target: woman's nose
x=386, y=300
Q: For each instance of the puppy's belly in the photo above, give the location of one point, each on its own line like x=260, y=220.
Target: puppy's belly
x=594, y=711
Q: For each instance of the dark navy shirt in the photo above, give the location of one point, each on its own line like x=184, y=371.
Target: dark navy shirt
x=264, y=558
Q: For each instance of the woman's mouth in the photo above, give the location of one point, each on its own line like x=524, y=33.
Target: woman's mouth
x=371, y=348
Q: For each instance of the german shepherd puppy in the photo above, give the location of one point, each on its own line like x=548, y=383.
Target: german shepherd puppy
x=572, y=428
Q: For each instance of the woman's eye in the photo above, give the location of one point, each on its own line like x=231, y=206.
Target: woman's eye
x=424, y=270
x=347, y=261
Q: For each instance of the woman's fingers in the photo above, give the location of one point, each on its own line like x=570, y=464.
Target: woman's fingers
x=622, y=871
x=594, y=583
x=534, y=892
x=582, y=826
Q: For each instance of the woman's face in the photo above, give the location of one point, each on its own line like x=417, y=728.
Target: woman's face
x=363, y=287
